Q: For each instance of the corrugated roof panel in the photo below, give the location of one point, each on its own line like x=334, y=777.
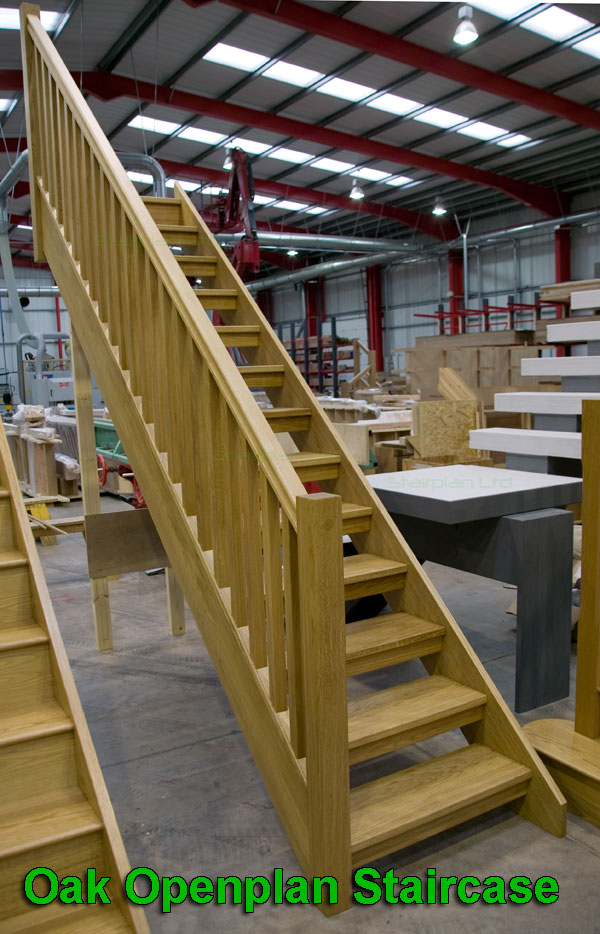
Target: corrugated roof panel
x=84, y=42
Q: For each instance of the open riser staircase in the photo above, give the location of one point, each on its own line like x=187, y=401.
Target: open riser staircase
x=261, y=561
x=54, y=809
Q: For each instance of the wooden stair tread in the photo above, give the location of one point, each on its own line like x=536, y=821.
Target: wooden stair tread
x=46, y=820
x=12, y=559
x=247, y=370
x=363, y=567
x=41, y=720
x=355, y=510
x=407, y=806
x=195, y=258
x=177, y=228
x=239, y=335
x=288, y=419
x=557, y=741
x=263, y=376
x=288, y=412
x=4, y=494
x=409, y=713
x=307, y=459
x=20, y=636
x=73, y=919
x=391, y=632
x=217, y=299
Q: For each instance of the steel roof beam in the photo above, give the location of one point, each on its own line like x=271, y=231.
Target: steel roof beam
x=318, y=22
x=108, y=87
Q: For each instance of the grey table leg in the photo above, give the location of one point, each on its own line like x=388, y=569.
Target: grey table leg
x=543, y=555
x=533, y=550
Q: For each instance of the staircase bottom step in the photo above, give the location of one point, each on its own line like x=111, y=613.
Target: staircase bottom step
x=398, y=810
x=93, y=919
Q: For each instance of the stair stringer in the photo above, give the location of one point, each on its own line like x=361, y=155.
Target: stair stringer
x=88, y=768
x=544, y=804
x=283, y=773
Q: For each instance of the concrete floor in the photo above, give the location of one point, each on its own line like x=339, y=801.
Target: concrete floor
x=190, y=801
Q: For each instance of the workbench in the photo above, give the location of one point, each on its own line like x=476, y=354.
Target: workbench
x=506, y=525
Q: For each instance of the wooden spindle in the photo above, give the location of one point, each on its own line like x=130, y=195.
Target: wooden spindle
x=273, y=576
x=293, y=634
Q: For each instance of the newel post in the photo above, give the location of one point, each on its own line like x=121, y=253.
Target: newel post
x=33, y=96
x=322, y=624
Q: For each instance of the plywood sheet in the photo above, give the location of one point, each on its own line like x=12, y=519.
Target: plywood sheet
x=443, y=427
x=122, y=542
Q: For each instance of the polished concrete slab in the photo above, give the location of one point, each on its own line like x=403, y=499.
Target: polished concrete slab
x=190, y=801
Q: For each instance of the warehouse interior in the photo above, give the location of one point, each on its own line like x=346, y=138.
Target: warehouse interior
x=300, y=399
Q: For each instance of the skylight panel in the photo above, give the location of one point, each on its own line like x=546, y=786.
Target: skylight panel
x=317, y=210
x=249, y=145
x=517, y=139
x=9, y=19
x=263, y=199
x=150, y=125
x=332, y=165
x=292, y=74
x=556, y=23
x=347, y=90
x=399, y=181
x=140, y=177
x=212, y=190
x=290, y=155
x=24, y=227
x=394, y=104
x=187, y=186
x=290, y=205
x=223, y=54
x=479, y=130
x=370, y=175
x=589, y=46
x=504, y=9
x=198, y=135
x=442, y=118
x=5, y=103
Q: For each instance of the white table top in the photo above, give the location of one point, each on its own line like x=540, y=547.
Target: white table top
x=459, y=493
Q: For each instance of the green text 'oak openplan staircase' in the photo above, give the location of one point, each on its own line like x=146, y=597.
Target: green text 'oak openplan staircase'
x=260, y=561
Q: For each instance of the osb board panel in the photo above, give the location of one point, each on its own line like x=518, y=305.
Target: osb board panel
x=493, y=365
x=442, y=428
x=122, y=542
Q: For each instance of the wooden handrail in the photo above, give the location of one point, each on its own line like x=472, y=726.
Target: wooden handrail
x=257, y=433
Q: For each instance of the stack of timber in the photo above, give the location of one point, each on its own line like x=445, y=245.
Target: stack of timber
x=488, y=362
x=260, y=561
x=441, y=434
x=55, y=809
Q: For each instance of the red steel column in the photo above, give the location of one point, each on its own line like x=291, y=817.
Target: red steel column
x=456, y=288
x=562, y=254
x=311, y=305
x=375, y=314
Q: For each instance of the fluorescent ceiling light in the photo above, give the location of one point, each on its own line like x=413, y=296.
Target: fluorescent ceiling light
x=317, y=210
x=224, y=54
x=439, y=210
x=249, y=145
x=370, y=175
x=292, y=252
x=292, y=74
x=485, y=131
x=290, y=205
x=589, y=46
x=347, y=90
x=9, y=19
x=5, y=103
x=263, y=199
x=187, y=186
x=394, y=104
x=24, y=227
x=150, y=125
x=442, y=118
x=140, y=177
x=332, y=165
x=290, y=155
x=356, y=192
x=556, y=23
x=198, y=135
x=399, y=181
x=517, y=139
x=504, y=9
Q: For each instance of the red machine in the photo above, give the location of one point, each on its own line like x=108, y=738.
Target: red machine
x=236, y=213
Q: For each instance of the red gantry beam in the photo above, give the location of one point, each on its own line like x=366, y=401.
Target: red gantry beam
x=111, y=86
x=320, y=23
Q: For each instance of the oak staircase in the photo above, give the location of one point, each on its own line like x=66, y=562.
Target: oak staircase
x=261, y=561
x=54, y=809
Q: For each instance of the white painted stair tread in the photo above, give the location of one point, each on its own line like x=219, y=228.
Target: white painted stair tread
x=584, y=300
x=573, y=331
x=542, y=403
x=522, y=441
x=560, y=366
